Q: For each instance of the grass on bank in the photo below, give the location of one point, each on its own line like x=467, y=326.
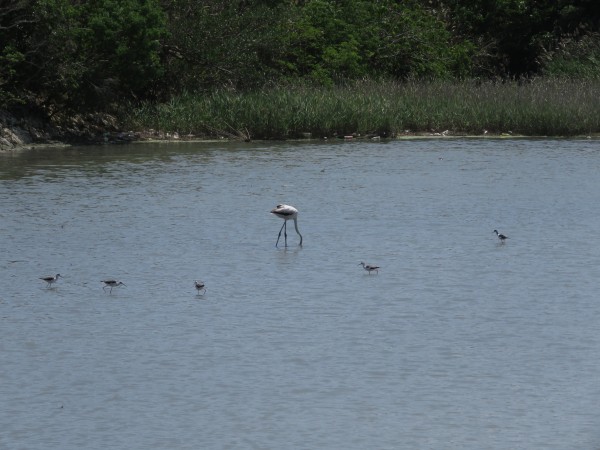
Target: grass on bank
x=541, y=107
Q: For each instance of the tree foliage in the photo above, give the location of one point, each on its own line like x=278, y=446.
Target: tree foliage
x=512, y=34
x=93, y=54
x=222, y=43
x=80, y=54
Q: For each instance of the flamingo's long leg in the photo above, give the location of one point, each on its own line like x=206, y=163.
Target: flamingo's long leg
x=298, y=231
x=279, y=235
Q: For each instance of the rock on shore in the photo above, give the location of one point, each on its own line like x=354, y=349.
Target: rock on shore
x=26, y=130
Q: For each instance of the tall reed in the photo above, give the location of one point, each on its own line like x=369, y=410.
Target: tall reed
x=557, y=107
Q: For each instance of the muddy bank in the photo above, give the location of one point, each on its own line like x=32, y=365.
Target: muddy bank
x=16, y=132
x=24, y=131
x=19, y=130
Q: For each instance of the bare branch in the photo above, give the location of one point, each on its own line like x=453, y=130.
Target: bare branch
x=13, y=13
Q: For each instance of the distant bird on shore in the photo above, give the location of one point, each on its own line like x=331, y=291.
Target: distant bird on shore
x=51, y=280
x=286, y=212
x=501, y=236
x=199, y=285
x=111, y=284
x=369, y=268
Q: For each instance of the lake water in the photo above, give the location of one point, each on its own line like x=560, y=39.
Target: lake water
x=460, y=342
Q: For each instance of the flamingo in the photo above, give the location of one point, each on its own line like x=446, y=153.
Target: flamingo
x=199, y=285
x=286, y=212
x=111, y=284
x=369, y=268
x=51, y=280
x=501, y=236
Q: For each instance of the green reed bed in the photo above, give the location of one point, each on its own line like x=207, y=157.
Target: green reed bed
x=538, y=107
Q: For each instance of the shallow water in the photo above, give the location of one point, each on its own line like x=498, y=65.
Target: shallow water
x=459, y=342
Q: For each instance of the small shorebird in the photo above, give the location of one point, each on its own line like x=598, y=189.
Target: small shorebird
x=286, y=212
x=369, y=268
x=51, y=280
x=501, y=236
x=111, y=284
x=199, y=285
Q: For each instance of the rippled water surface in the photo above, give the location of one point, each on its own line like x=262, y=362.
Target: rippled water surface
x=460, y=342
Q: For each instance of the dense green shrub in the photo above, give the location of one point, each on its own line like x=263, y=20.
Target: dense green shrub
x=79, y=54
x=574, y=58
x=218, y=43
x=69, y=54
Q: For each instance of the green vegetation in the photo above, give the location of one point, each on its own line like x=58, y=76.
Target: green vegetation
x=79, y=55
x=536, y=107
x=281, y=67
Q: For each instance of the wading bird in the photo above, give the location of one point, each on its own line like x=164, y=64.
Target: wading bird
x=286, y=212
x=51, y=280
x=199, y=285
x=501, y=236
x=111, y=284
x=369, y=268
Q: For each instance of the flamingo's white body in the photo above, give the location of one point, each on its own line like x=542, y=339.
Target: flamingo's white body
x=286, y=212
x=369, y=268
x=51, y=280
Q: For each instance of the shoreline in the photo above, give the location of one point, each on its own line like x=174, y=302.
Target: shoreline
x=545, y=108
x=17, y=135
x=117, y=139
